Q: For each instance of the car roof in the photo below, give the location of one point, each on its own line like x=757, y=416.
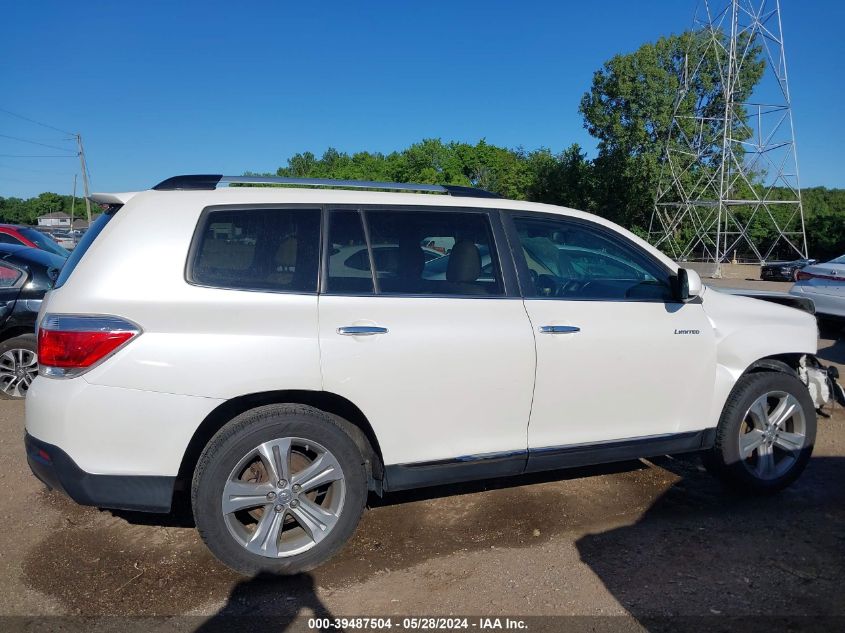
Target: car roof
x=201, y=199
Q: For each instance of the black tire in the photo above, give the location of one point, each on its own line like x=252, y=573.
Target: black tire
x=17, y=389
x=724, y=459
x=227, y=449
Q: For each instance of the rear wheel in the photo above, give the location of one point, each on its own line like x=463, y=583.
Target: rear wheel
x=279, y=489
x=18, y=366
x=766, y=434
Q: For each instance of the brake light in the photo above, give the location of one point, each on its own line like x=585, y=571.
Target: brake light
x=803, y=276
x=70, y=344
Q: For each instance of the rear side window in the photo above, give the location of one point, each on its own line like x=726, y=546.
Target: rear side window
x=257, y=249
x=85, y=243
x=349, y=260
x=407, y=247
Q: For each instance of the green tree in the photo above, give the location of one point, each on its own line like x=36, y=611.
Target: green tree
x=629, y=109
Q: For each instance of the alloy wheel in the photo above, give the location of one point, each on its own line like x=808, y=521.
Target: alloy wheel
x=283, y=497
x=18, y=368
x=772, y=435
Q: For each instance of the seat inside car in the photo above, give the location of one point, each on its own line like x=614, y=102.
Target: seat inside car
x=464, y=268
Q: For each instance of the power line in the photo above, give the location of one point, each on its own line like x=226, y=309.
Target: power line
x=37, y=171
x=37, y=156
x=25, y=140
x=50, y=127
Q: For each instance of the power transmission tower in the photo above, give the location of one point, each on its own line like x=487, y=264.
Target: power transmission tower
x=729, y=184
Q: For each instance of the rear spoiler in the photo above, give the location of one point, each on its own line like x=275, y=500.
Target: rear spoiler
x=111, y=199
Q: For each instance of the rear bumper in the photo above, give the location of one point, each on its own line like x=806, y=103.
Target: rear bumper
x=57, y=470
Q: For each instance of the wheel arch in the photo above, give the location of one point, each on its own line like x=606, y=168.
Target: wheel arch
x=783, y=363
x=344, y=411
x=15, y=331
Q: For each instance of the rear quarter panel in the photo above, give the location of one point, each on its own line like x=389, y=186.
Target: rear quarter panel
x=196, y=341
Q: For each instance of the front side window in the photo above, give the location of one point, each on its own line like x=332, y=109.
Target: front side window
x=258, y=249
x=577, y=261
x=434, y=253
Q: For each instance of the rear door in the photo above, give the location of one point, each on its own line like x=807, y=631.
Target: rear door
x=442, y=365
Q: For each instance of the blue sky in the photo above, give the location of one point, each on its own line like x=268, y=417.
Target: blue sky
x=162, y=88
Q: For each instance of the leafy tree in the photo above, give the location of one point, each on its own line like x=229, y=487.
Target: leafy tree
x=629, y=109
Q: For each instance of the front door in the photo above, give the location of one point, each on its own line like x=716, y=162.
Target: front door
x=617, y=357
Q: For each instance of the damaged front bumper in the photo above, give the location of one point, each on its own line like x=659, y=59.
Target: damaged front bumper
x=821, y=381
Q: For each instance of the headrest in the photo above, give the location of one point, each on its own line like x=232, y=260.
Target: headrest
x=464, y=262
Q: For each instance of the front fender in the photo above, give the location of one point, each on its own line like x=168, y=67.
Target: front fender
x=749, y=330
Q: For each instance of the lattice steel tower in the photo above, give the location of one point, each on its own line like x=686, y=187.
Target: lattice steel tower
x=729, y=183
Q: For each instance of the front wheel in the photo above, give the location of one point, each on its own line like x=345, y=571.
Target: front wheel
x=766, y=433
x=279, y=489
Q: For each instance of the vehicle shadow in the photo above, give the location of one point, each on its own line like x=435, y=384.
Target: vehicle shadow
x=706, y=558
x=834, y=353
x=269, y=603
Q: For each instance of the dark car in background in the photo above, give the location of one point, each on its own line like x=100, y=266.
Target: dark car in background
x=26, y=274
x=784, y=271
x=28, y=236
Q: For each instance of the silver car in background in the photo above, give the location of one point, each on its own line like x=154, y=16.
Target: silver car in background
x=825, y=285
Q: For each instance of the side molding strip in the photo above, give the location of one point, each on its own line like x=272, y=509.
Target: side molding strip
x=494, y=465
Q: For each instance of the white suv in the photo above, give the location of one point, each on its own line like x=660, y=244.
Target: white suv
x=211, y=342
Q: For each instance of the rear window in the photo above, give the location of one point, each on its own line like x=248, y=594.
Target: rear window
x=44, y=242
x=9, y=276
x=84, y=244
x=257, y=249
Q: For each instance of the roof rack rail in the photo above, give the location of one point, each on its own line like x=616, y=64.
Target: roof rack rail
x=207, y=182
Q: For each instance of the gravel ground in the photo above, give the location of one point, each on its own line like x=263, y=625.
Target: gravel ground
x=640, y=539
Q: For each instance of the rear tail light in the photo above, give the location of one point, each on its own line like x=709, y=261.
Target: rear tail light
x=803, y=276
x=70, y=344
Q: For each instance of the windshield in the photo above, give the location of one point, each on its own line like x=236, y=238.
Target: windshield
x=43, y=242
x=838, y=260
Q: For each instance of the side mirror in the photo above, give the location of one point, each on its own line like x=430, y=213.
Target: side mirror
x=688, y=284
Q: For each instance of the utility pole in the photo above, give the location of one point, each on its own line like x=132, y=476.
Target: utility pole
x=84, y=176
x=72, y=204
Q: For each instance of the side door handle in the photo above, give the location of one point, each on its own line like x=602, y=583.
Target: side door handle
x=361, y=330
x=559, y=329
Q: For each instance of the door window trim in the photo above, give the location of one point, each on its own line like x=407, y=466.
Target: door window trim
x=524, y=275
x=500, y=247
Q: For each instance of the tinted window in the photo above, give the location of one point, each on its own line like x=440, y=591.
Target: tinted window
x=258, y=249
x=349, y=261
x=9, y=276
x=84, y=244
x=401, y=243
x=572, y=260
x=44, y=242
x=5, y=238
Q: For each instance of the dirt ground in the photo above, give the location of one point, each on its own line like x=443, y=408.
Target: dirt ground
x=641, y=539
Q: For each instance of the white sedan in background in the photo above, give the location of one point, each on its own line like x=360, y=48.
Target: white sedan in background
x=825, y=285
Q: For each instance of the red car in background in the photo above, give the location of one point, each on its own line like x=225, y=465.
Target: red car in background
x=28, y=236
